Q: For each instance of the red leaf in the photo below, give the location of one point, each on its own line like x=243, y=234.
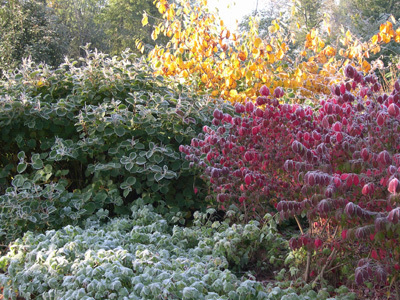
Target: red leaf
x=318, y=243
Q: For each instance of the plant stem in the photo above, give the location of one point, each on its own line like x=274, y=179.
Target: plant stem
x=298, y=224
x=307, y=266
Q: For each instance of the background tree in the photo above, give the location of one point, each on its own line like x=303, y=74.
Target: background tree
x=84, y=23
x=363, y=19
x=306, y=15
x=267, y=12
x=30, y=28
x=123, y=19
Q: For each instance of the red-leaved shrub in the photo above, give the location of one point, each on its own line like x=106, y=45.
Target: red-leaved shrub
x=352, y=189
x=243, y=154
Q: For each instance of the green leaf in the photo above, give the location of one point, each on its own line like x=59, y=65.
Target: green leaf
x=150, y=130
x=21, y=155
x=89, y=207
x=113, y=150
x=139, y=146
x=158, y=177
x=179, y=138
x=18, y=181
x=158, y=158
x=156, y=169
x=126, y=192
x=37, y=164
x=108, y=131
x=129, y=166
x=119, y=130
x=130, y=180
x=141, y=160
x=21, y=167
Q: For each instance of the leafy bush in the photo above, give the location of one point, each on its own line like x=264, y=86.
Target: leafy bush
x=77, y=140
x=243, y=155
x=352, y=183
x=137, y=258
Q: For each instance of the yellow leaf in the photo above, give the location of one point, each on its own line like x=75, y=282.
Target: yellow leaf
x=382, y=28
x=257, y=42
x=348, y=35
x=237, y=75
x=386, y=38
x=280, y=54
x=298, y=25
x=366, y=66
x=313, y=33
x=145, y=20
x=272, y=29
x=374, y=39
x=242, y=56
x=162, y=8
x=249, y=74
x=233, y=93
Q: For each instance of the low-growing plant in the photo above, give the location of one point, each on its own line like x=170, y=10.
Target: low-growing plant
x=140, y=257
x=93, y=137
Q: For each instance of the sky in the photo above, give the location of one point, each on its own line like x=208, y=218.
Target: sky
x=232, y=10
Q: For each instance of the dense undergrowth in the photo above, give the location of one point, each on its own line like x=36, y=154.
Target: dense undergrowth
x=97, y=201
x=110, y=177
x=143, y=257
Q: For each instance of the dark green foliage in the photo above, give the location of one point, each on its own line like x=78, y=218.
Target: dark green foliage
x=84, y=24
x=79, y=140
x=123, y=24
x=29, y=28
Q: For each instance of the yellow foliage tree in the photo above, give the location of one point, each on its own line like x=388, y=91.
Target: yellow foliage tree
x=202, y=52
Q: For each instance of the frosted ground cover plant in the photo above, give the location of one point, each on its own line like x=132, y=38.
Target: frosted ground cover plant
x=141, y=257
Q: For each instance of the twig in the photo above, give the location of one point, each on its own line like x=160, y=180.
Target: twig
x=328, y=261
x=335, y=267
x=298, y=224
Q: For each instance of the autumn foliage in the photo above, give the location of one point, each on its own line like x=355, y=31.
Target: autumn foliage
x=336, y=162
x=203, y=53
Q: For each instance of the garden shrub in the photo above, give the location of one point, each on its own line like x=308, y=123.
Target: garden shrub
x=336, y=164
x=140, y=257
x=92, y=137
x=351, y=186
x=243, y=154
